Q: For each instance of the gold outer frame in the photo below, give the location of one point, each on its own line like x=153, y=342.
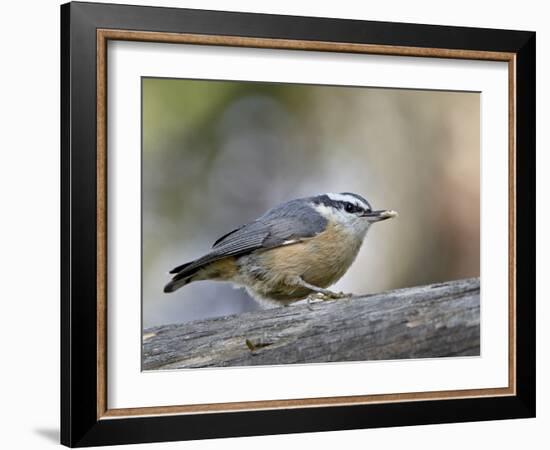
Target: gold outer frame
x=103, y=36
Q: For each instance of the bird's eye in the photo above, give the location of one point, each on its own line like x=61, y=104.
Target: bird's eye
x=350, y=208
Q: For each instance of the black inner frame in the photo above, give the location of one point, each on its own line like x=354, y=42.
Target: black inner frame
x=79, y=424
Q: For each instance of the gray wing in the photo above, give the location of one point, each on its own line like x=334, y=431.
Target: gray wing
x=283, y=225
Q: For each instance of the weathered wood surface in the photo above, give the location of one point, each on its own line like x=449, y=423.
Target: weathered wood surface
x=438, y=320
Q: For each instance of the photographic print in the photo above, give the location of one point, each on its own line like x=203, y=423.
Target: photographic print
x=292, y=224
x=267, y=220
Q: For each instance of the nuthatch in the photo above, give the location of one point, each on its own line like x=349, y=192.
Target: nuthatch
x=294, y=250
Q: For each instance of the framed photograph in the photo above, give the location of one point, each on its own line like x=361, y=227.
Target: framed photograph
x=277, y=224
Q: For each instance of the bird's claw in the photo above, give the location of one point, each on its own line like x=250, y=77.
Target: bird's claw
x=321, y=297
x=337, y=295
x=311, y=299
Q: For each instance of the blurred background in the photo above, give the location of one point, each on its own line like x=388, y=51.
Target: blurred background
x=217, y=154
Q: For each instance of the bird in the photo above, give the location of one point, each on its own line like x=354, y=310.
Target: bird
x=294, y=251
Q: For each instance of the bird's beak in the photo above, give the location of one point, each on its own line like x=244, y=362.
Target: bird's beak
x=382, y=214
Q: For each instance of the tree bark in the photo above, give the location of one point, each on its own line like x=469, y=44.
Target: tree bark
x=438, y=320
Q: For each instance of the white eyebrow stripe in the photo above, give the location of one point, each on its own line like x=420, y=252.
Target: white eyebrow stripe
x=346, y=198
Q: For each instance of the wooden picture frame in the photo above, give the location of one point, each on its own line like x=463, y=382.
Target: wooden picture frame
x=86, y=418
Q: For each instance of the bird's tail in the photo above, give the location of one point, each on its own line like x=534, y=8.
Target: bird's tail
x=174, y=284
x=183, y=275
x=208, y=267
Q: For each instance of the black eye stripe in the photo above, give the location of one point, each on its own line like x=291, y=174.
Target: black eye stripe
x=350, y=207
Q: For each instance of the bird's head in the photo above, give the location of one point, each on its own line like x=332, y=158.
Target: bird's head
x=350, y=211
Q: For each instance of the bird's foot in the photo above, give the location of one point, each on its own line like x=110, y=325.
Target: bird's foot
x=338, y=295
x=325, y=296
x=311, y=300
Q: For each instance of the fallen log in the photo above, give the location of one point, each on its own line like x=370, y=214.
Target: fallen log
x=437, y=320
